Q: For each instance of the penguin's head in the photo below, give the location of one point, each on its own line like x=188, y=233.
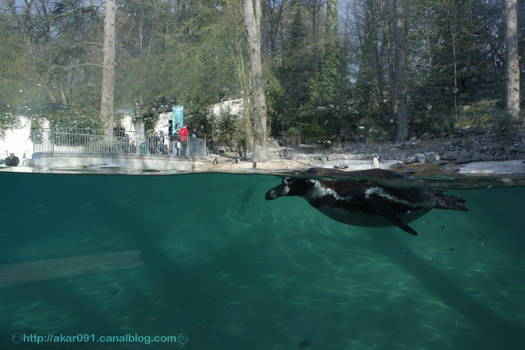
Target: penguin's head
x=290, y=186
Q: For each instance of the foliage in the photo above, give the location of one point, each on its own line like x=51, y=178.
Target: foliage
x=479, y=113
x=73, y=118
x=227, y=132
x=7, y=120
x=293, y=135
x=329, y=74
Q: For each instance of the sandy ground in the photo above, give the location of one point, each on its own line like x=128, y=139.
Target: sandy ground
x=492, y=168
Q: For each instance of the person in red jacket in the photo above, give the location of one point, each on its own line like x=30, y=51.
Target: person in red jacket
x=183, y=132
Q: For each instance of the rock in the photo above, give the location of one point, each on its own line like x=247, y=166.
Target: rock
x=464, y=153
x=463, y=160
x=397, y=165
x=432, y=157
x=485, y=157
x=438, y=162
x=450, y=168
x=413, y=141
x=410, y=160
x=500, y=156
x=464, y=156
x=420, y=158
x=476, y=157
x=452, y=155
x=340, y=165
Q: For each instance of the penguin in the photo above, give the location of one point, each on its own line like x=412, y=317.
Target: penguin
x=358, y=197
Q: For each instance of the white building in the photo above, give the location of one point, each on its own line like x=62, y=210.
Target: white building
x=234, y=107
x=17, y=140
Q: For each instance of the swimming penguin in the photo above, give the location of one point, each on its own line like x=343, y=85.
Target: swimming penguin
x=364, y=202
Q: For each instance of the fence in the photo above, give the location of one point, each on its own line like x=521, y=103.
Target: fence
x=94, y=141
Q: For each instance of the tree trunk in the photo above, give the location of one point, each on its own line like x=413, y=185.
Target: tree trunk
x=513, y=72
x=252, y=20
x=455, y=66
x=108, y=69
x=400, y=104
x=386, y=9
x=316, y=36
x=244, y=82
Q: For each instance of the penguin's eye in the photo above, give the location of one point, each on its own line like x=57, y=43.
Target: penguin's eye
x=286, y=180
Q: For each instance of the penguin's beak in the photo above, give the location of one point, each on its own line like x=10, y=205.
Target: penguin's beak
x=276, y=192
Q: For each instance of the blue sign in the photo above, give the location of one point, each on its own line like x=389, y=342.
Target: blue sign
x=178, y=117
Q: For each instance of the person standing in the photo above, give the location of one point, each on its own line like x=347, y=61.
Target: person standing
x=194, y=143
x=183, y=132
x=179, y=146
x=174, y=140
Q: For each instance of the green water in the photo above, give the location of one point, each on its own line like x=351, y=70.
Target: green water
x=207, y=256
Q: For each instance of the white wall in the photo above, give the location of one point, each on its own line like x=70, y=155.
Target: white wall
x=163, y=123
x=132, y=126
x=16, y=140
x=134, y=129
x=234, y=107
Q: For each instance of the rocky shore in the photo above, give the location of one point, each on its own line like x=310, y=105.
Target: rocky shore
x=466, y=153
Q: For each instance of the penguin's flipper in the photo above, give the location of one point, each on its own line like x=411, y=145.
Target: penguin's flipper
x=383, y=208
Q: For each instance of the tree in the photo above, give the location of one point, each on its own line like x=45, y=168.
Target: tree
x=400, y=104
x=252, y=20
x=511, y=44
x=55, y=35
x=108, y=69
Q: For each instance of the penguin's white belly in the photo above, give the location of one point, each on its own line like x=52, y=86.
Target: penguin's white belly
x=358, y=218
x=353, y=217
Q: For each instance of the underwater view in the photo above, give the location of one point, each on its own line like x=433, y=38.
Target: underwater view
x=204, y=261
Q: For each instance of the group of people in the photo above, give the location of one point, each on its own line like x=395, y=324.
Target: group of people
x=157, y=145
x=175, y=144
x=179, y=143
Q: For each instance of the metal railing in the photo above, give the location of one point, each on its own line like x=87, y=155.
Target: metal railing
x=94, y=141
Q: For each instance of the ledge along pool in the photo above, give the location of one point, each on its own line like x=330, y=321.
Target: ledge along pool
x=205, y=255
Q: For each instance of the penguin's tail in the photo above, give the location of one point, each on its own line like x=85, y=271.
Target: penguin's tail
x=448, y=201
